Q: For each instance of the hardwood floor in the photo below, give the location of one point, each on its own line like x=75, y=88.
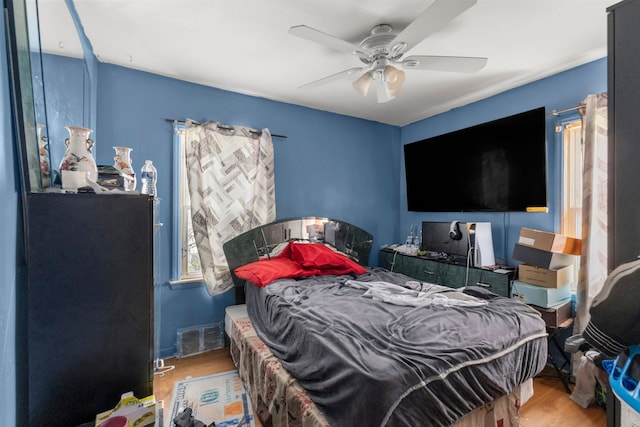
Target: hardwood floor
x=208, y=363
x=549, y=407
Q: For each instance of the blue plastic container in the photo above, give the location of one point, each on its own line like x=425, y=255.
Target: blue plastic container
x=624, y=375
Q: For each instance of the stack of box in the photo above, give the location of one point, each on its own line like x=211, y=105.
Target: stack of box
x=545, y=277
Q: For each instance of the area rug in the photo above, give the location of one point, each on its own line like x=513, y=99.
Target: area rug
x=219, y=398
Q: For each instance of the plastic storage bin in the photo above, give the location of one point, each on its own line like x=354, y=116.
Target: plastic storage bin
x=624, y=378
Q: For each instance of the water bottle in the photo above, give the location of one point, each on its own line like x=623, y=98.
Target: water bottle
x=408, y=244
x=149, y=178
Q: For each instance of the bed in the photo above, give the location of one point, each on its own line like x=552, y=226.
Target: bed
x=328, y=341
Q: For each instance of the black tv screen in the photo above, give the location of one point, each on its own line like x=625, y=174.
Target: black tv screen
x=498, y=166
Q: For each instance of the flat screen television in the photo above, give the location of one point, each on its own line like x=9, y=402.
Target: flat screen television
x=498, y=166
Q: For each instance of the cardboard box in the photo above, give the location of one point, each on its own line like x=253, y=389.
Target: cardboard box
x=540, y=258
x=556, y=315
x=539, y=295
x=139, y=412
x=551, y=242
x=545, y=277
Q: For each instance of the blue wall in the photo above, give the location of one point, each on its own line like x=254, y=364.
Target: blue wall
x=63, y=107
x=11, y=280
x=330, y=165
x=557, y=92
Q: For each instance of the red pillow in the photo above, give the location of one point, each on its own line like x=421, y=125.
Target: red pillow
x=319, y=257
x=261, y=273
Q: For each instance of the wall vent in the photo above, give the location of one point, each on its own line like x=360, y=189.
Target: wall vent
x=199, y=339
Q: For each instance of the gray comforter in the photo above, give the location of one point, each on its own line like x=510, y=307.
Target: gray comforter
x=371, y=354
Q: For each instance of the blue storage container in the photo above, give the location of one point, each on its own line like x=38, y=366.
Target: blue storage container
x=624, y=378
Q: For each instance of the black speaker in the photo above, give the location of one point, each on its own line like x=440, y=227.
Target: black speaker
x=454, y=231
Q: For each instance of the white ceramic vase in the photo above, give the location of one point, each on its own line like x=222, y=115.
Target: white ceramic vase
x=122, y=162
x=78, y=164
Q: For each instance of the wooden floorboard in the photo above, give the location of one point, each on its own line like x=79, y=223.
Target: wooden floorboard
x=208, y=363
x=549, y=407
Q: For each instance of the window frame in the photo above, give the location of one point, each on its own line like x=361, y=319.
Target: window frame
x=181, y=221
x=572, y=167
x=561, y=128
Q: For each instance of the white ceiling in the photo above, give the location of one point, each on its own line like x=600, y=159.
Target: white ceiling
x=244, y=46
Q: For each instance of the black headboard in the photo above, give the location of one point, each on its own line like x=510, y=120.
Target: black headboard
x=260, y=241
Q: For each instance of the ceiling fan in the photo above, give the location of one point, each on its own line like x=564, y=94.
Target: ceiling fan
x=381, y=52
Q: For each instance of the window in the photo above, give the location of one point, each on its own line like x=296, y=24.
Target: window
x=186, y=264
x=572, y=165
x=571, y=222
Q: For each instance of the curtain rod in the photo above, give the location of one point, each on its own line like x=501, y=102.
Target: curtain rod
x=558, y=112
x=257, y=132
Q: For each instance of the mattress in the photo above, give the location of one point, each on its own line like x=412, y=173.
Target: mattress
x=281, y=401
x=232, y=313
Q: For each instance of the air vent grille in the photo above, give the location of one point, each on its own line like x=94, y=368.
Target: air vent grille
x=200, y=339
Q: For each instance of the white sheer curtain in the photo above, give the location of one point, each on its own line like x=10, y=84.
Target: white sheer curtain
x=593, y=260
x=232, y=189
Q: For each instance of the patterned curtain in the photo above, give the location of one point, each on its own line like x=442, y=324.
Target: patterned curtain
x=232, y=189
x=593, y=260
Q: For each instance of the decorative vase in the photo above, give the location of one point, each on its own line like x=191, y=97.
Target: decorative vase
x=122, y=162
x=43, y=150
x=77, y=163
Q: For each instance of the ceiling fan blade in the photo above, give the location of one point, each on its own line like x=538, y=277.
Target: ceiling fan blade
x=318, y=36
x=331, y=78
x=431, y=20
x=456, y=64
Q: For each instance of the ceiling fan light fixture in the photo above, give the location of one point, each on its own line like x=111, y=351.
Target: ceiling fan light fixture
x=392, y=75
x=363, y=84
x=382, y=92
x=394, y=79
